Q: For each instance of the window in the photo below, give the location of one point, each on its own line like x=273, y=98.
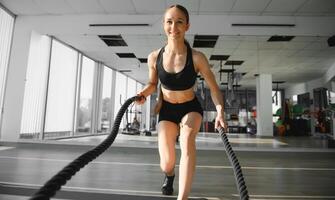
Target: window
x=295, y=99
x=84, y=115
x=35, y=86
x=61, y=91
x=140, y=109
x=6, y=31
x=331, y=97
x=120, y=94
x=131, y=91
x=276, y=103
x=106, y=101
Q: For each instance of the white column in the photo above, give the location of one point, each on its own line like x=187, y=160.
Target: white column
x=147, y=113
x=264, y=105
x=113, y=98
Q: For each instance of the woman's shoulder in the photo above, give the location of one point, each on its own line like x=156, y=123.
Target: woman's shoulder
x=154, y=53
x=198, y=56
x=152, y=57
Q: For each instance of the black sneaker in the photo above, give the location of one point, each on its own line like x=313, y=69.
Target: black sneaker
x=167, y=187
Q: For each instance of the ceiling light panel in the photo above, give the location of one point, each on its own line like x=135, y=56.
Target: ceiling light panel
x=280, y=38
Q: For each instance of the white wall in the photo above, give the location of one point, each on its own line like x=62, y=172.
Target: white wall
x=301, y=88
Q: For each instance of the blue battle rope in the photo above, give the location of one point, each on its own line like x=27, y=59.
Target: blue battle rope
x=50, y=188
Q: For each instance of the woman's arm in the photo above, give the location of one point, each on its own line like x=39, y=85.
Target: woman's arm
x=201, y=64
x=153, y=78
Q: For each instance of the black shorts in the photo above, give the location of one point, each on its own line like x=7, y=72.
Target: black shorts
x=174, y=112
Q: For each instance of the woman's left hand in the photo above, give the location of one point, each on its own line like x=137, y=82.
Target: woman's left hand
x=221, y=122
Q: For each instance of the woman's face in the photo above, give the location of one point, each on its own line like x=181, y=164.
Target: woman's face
x=175, y=23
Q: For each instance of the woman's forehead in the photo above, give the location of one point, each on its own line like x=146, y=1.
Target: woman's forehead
x=174, y=13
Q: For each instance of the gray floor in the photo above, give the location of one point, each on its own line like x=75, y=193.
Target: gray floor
x=274, y=168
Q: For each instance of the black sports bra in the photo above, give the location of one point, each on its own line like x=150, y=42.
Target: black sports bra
x=182, y=80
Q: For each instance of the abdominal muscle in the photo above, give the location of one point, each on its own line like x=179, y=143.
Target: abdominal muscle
x=179, y=96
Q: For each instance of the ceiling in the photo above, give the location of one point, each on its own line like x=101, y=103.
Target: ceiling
x=304, y=58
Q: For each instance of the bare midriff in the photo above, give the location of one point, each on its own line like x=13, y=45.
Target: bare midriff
x=179, y=96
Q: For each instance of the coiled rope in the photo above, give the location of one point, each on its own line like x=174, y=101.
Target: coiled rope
x=240, y=183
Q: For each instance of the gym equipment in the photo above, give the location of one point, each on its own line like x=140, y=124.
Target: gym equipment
x=50, y=188
x=131, y=128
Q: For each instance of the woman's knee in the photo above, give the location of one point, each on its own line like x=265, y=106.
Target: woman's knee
x=187, y=143
x=167, y=166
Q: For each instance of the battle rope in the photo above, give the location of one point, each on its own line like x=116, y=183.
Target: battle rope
x=55, y=183
x=242, y=188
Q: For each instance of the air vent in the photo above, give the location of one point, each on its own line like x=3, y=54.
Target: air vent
x=226, y=70
x=234, y=62
x=125, y=70
x=143, y=60
x=126, y=55
x=219, y=57
x=278, y=38
x=278, y=82
x=113, y=40
x=264, y=25
x=205, y=41
x=107, y=25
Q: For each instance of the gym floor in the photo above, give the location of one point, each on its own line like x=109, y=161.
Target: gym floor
x=273, y=168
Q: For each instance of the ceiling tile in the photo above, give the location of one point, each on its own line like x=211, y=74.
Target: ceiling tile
x=192, y=6
x=250, y=5
x=86, y=6
x=150, y=6
x=215, y=6
x=19, y=7
x=58, y=7
x=284, y=6
x=318, y=6
x=117, y=6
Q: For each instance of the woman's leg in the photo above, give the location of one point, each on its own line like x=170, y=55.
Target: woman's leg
x=190, y=126
x=167, y=134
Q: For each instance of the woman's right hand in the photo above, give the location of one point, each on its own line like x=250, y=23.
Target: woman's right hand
x=141, y=100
